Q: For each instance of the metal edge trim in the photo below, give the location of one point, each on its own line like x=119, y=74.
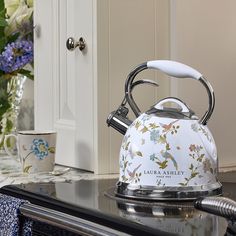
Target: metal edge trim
x=67, y=222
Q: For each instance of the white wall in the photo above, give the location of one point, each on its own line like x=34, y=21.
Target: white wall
x=135, y=37
x=203, y=35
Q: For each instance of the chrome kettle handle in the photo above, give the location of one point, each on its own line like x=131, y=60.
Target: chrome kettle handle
x=174, y=69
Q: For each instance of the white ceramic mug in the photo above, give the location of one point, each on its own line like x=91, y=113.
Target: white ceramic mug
x=36, y=150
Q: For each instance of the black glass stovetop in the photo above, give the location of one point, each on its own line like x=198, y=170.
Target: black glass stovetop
x=94, y=200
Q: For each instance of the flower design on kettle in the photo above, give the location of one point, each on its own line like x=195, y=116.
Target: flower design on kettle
x=197, y=154
x=198, y=128
x=155, y=135
x=207, y=166
x=160, y=136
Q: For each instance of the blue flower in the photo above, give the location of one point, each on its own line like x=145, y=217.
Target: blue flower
x=152, y=157
x=16, y=55
x=154, y=135
x=40, y=148
x=194, y=127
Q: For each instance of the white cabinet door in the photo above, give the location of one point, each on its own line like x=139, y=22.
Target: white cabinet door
x=64, y=79
x=76, y=90
x=74, y=121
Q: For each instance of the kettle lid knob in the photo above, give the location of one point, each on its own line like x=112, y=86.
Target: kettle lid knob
x=181, y=104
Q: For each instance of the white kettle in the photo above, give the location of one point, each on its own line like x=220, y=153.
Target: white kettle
x=166, y=153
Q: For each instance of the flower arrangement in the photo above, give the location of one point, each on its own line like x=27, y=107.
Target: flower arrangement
x=16, y=57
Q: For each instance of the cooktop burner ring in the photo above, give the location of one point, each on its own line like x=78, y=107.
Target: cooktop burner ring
x=167, y=193
x=111, y=193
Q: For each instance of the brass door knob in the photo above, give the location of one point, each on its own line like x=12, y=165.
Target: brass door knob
x=71, y=44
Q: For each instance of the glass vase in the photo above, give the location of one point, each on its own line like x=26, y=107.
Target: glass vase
x=11, y=92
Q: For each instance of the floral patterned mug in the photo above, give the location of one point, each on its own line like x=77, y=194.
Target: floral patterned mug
x=36, y=150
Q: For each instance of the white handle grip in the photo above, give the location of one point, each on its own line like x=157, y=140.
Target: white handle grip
x=174, y=69
x=6, y=147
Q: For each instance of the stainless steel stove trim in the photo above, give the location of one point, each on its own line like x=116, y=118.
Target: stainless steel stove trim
x=167, y=193
x=158, y=211
x=67, y=222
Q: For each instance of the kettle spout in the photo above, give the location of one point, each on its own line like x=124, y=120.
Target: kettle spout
x=118, y=119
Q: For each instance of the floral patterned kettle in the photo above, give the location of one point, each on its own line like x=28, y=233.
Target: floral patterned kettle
x=166, y=153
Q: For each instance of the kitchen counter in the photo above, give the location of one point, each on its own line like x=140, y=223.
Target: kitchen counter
x=88, y=200
x=10, y=174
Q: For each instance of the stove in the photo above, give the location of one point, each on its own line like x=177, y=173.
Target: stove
x=90, y=207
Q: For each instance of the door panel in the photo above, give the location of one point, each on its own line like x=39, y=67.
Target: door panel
x=75, y=121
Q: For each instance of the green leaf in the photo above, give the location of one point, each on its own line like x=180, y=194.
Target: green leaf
x=153, y=126
x=137, y=124
x=194, y=174
x=3, y=13
x=30, y=76
x=163, y=164
x=3, y=43
x=23, y=71
x=3, y=22
x=4, y=103
x=125, y=164
x=139, y=154
x=26, y=73
x=2, y=7
x=52, y=149
x=13, y=38
x=191, y=167
x=2, y=34
x=9, y=126
x=27, y=168
x=162, y=139
x=127, y=146
x=144, y=129
x=124, y=178
x=167, y=146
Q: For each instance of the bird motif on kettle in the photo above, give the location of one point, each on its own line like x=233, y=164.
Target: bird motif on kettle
x=167, y=127
x=166, y=152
